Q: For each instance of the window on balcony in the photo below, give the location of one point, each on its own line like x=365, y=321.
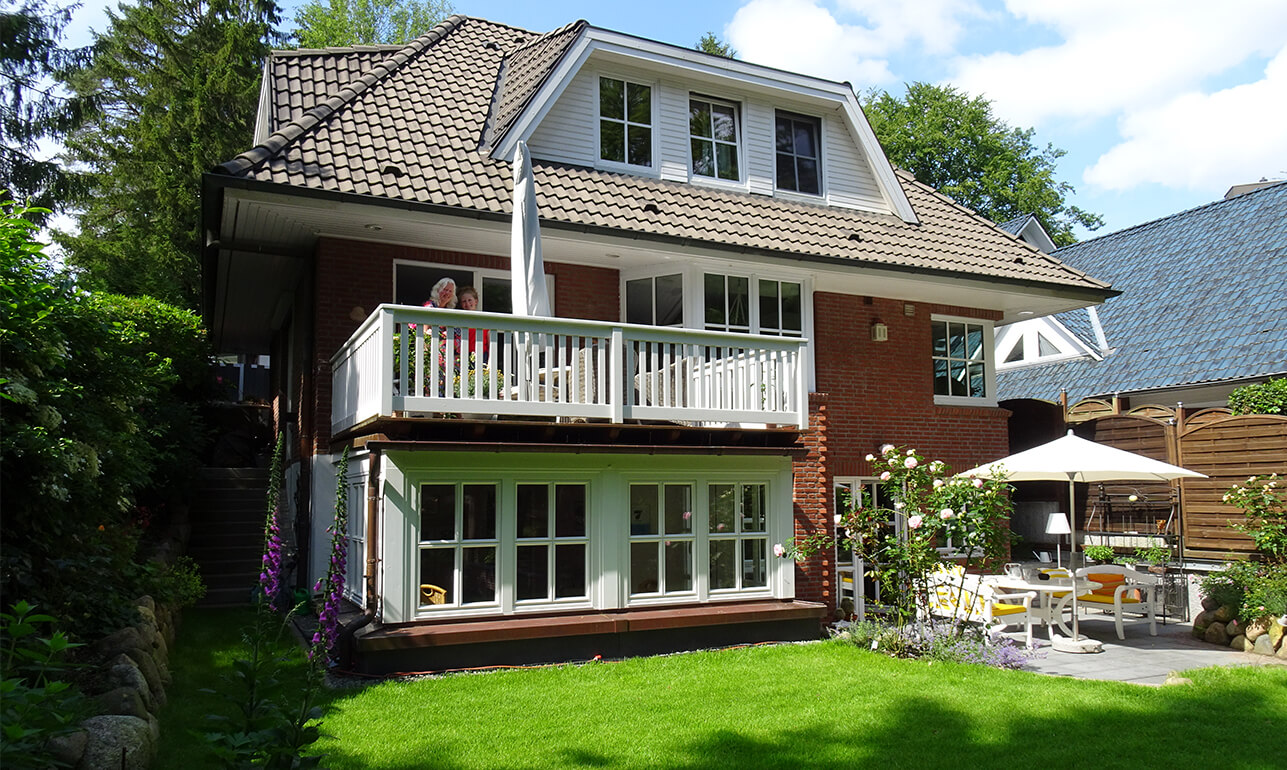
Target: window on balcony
x=798, y=153
x=655, y=300
x=963, y=367
x=625, y=122
x=413, y=280
x=713, y=138
x=728, y=307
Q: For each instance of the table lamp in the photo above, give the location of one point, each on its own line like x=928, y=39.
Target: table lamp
x=1057, y=524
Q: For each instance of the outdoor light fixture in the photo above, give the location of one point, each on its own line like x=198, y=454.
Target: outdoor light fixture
x=1057, y=524
x=879, y=332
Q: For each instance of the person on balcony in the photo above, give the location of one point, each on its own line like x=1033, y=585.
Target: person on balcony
x=469, y=301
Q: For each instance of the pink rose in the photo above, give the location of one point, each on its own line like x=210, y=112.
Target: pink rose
x=978, y=483
x=884, y=476
x=778, y=550
x=946, y=514
x=838, y=519
x=870, y=457
x=909, y=463
x=938, y=483
x=914, y=522
x=888, y=449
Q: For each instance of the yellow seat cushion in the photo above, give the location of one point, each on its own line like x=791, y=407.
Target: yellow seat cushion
x=1001, y=608
x=1109, y=582
x=1127, y=598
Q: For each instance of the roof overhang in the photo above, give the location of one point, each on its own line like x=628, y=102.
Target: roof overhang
x=260, y=238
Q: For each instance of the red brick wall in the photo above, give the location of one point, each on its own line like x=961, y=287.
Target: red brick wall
x=351, y=274
x=815, y=579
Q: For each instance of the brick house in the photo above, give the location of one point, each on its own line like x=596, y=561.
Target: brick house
x=747, y=299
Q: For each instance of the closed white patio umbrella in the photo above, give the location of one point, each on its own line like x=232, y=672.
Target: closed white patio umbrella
x=527, y=268
x=1075, y=459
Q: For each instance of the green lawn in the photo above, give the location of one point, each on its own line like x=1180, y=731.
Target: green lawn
x=821, y=705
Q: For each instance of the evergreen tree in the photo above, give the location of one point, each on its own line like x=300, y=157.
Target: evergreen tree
x=709, y=43
x=178, y=83
x=32, y=60
x=324, y=23
x=955, y=144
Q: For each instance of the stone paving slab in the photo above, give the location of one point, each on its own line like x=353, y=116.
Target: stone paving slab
x=1140, y=658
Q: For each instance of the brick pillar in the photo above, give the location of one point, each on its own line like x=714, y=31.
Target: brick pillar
x=815, y=579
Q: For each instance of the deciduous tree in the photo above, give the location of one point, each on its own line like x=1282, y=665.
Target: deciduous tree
x=325, y=23
x=953, y=142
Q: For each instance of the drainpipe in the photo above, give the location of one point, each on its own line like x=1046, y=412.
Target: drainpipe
x=347, y=641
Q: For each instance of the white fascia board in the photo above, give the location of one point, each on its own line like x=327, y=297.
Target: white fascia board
x=755, y=77
x=1058, y=329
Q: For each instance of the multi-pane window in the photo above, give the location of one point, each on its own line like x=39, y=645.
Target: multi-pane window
x=738, y=536
x=662, y=539
x=960, y=359
x=625, y=122
x=727, y=305
x=655, y=301
x=552, y=542
x=458, y=544
x=797, y=153
x=712, y=129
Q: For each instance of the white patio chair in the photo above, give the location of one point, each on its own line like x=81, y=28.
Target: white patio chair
x=1124, y=589
x=955, y=594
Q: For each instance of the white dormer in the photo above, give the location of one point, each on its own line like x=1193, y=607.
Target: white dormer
x=622, y=104
x=1039, y=341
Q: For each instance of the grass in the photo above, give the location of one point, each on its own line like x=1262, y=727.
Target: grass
x=821, y=705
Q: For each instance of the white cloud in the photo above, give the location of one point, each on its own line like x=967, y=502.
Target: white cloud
x=805, y=36
x=1119, y=56
x=1203, y=141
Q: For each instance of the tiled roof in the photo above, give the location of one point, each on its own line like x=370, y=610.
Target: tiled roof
x=1015, y=226
x=411, y=127
x=300, y=78
x=523, y=72
x=1203, y=302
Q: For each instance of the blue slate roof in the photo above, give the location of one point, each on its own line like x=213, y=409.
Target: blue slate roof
x=1204, y=301
x=1015, y=226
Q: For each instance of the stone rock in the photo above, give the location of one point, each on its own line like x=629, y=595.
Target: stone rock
x=125, y=640
x=1262, y=645
x=155, y=684
x=1224, y=614
x=1203, y=618
x=1215, y=634
x=154, y=729
x=1234, y=628
x=1240, y=643
x=1256, y=629
x=1199, y=632
x=124, y=701
x=146, y=601
x=1282, y=652
x=147, y=625
x=1175, y=679
x=143, y=658
x=1276, y=633
x=124, y=672
x=68, y=749
x=117, y=741
x=1209, y=604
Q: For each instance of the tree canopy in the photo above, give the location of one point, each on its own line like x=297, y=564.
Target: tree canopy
x=178, y=84
x=954, y=143
x=324, y=23
x=710, y=43
x=32, y=61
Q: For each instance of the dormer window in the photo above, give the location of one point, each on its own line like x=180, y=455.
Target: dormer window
x=625, y=122
x=713, y=136
x=798, y=153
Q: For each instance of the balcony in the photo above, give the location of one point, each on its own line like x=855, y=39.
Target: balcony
x=411, y=361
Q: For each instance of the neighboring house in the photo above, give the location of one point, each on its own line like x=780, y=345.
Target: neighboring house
x=747, y=300
x=1202, y=311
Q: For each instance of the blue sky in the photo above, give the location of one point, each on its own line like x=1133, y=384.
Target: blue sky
x=1161, y=105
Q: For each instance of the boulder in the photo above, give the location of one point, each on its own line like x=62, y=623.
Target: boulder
x=124, y=701
x=1175, y=679
x=124, y=672
x=1209, y=604
x=155, y=685
x=144, y=657
x=1256, y=629
x=146, y=601
x=1215, y=634
x=1199, y=632
x=126, y=640
x=1240, y=643
x=67, y=749
x=1282, y=652
x=1203, y=618
x=1234, y=628
x=117, y=741
x=1262, y=645
x=1275, y=633
x=1224, y=614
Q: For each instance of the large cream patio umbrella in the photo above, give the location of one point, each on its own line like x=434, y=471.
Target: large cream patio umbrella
x=1075, y=459
x=527, y=268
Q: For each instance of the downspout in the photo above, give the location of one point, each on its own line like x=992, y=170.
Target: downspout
x=347, y=642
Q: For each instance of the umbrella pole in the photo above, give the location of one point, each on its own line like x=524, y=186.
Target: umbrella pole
x=1072, y=550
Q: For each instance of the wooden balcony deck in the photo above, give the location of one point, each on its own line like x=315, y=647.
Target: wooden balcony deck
x=553, y=638
x=423, y=361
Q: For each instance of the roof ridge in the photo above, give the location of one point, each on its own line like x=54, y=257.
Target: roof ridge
x=1050, y=259
x=336, y=49
x=1277, y=186
x=542, y=37
x=313, y=117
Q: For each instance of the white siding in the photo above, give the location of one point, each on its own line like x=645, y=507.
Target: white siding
x=567, y=132
x=758, y=146
x=672, y=125
x=850, y=181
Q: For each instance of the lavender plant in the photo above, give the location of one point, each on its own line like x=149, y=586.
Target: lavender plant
x=332, y=585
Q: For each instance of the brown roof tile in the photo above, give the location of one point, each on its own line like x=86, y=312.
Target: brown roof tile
x=424, y=108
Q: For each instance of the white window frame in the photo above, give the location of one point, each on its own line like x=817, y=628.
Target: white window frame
x=754, y=320
x=988, y=349
x=479, y=274
x=459, y=544
x=1025, y=336
x=739, y=144
x=661, y=539
x=653, y=168
x=552, y=541
x=820, y=122
x=738, y=536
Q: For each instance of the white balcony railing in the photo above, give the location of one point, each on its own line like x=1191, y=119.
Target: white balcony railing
x=413, y=360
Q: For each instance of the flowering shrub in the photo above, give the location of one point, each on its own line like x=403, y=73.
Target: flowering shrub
x=332, y=585
x=937, y=641
x=273, y=566
x=1264, y=503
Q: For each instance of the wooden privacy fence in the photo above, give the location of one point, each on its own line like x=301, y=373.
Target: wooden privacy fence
x=1226, y=448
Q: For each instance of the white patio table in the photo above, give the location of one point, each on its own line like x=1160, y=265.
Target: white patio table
x=1052, y=607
